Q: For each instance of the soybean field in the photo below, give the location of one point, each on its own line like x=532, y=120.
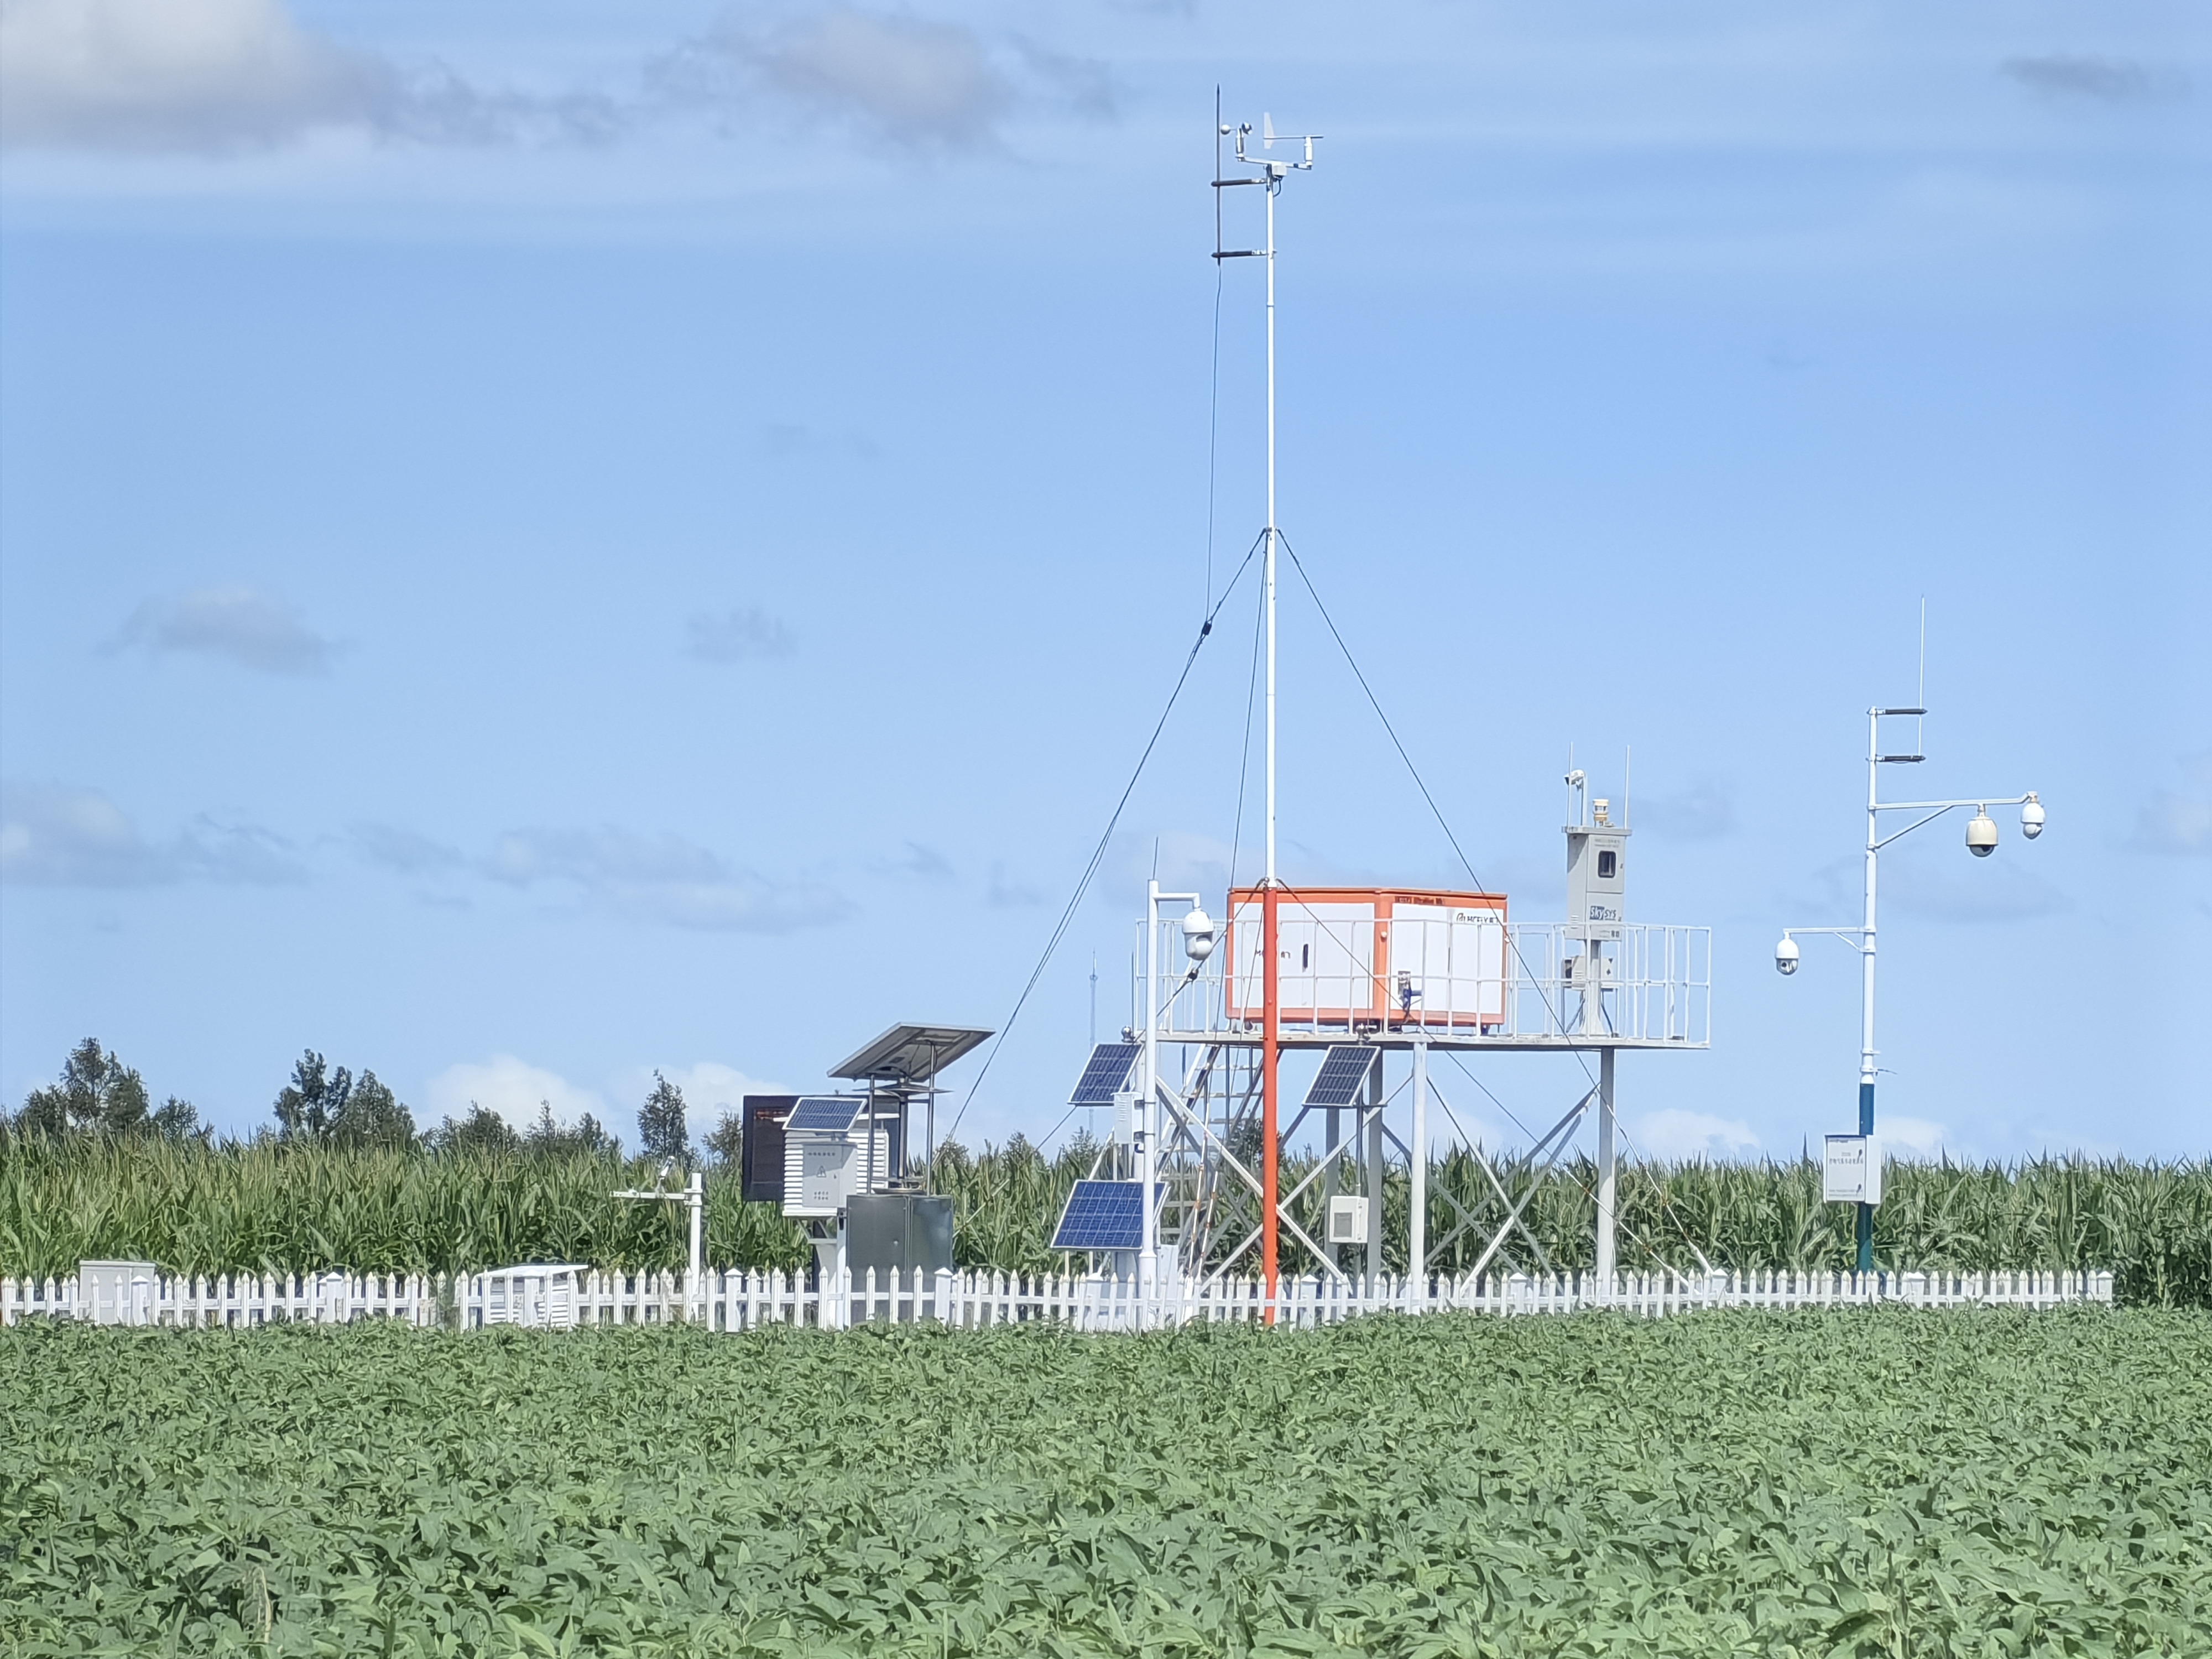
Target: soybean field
x=1843, y=1484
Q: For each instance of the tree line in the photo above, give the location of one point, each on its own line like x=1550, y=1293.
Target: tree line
x=324, y=1105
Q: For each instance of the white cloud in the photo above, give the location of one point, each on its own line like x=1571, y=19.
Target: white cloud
x=1677, y=1133
x=227, y=74
x=2098, y=80
x=53, y=836
x=252, y=628
x=662, y=879
x=2175, y=824
x=404, y=851
x=750, y=635
x=710, y=1089
x=1702, y=812
x=1935, y=877
x=1916, y=1137
x=908, y=79
x=515, y=1089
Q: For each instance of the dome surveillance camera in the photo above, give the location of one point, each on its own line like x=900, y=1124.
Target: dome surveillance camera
x=1198, y=934
x=1786, y=955
x=2031, y=817
x=1982, y=835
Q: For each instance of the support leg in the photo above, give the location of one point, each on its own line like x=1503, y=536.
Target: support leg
x=1607, y=1178
x=1417, y=1173
x=1374, y=1116
x=1328, y=1181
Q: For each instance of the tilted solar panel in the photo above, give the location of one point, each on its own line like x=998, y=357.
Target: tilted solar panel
x=822, y=1112
x=1343, y=1071
x=1103, y=1215
x=1104, y=1077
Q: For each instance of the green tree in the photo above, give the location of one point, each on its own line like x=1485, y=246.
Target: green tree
x=314, y=1100
x=662, y=1130
x=547, y=1139
x=482, y=1130
x=96, y=1091
x=370, y=1114
x=726, y=1143
x=180, y=1120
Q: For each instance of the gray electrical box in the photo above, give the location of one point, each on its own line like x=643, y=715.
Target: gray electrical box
x=1597, y=862
x=897, y=1231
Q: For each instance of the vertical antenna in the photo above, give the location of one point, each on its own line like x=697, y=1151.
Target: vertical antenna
x=1218, y=131
x=1627, y=755
x=1920, y=697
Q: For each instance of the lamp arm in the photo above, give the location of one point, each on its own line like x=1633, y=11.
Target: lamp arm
x=1916, y=824
x=1856, y=934
x=1946, y=806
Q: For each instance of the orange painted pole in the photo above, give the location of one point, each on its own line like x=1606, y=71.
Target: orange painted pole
x=1269, y=1054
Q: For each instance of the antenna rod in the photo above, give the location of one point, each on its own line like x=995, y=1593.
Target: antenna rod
x=1271, y=1054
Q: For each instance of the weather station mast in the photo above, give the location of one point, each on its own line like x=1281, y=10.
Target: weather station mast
x=1365, y=985
x=1268, y=175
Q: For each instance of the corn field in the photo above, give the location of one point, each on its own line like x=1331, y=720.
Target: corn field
x=263, y=1207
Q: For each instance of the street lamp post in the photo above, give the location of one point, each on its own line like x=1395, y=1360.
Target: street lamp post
x=1981, y=841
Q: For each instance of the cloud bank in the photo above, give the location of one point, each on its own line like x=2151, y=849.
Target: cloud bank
x=55, y=836
x=249, y=628
x=661, y=878
x=216, y=76
x=750, y=635
x=904, y=79
x=2176, y=824
x=515, y=1089
x=2075, y=76
x=1675, y=1134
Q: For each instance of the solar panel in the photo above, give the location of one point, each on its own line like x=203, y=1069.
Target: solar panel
x=1103, y=1215
x=1343, y=1071
x=1103, y=1077
x=830, y=1112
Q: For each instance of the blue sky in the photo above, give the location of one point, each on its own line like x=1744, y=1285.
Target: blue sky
x=539, y=543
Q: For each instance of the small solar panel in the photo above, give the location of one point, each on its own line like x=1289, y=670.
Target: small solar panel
x=1343, y=1071
x=824, y=1112
x=1103, y=1215
x=1103, y=1077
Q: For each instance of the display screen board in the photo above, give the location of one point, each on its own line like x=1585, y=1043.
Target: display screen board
x=760, y=1160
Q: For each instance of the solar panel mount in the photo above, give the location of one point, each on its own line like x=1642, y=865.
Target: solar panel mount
x=1343, y=1073
x=1104, y=1215
x=831, y=1113
x=1103, y=1077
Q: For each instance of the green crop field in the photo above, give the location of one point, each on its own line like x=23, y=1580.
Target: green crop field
x=1863, y=1483
x=264, y=1206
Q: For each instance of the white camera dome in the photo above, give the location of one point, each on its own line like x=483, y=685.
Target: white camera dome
x=1982, y=835
x=2031, y=819
x=1785, y=956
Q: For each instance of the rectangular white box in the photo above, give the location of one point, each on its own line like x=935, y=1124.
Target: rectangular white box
x=821, y=1171
x=1850, y=1173
x=1341, y=953
x=1347, y=1218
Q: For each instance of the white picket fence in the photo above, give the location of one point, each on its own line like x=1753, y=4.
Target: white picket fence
x=559, y=1296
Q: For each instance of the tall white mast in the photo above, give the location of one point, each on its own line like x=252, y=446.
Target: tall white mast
x=1270, y=177
x=1274, y=184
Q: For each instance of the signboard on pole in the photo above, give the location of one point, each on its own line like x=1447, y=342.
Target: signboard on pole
x=1851, y=1171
